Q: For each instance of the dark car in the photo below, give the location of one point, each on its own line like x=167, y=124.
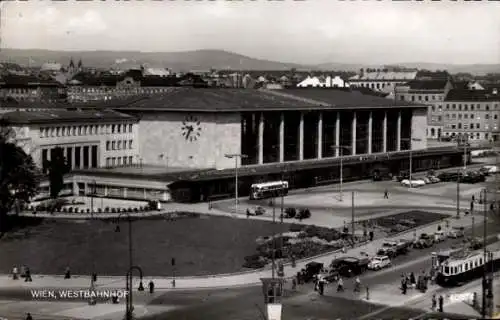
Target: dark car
x=403, y=175
x=448, y=176
x=350, y=266
x=312, y=269
x=425, y=241
x=381, y=173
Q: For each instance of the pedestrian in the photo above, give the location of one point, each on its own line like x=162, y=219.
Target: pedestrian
x=27, y=278
x=340, y=285
x=67, y=273
x=413, y=281
x=473, y=198
x=386, y=194
x=434, y=302
x=315, y=281
x=440, y=303
x=294, y=284
x=371, y=235
x=248, y=213
x=293, y=261
x=405, y=287
x=29, y=317
x=492, y=206
x=15, y=273
x=321, y=286
x=357, y=285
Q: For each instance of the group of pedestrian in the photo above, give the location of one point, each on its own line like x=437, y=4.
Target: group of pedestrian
x=435, y=301
x=25, y=273
x=319, y=283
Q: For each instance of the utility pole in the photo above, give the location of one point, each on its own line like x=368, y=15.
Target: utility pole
x=458, y=193
x=485, y=255
x=352, y=215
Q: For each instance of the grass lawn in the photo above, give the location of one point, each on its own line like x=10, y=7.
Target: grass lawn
x=200, y=246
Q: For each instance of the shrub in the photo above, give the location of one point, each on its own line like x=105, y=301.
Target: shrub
x=99, y=210
x=88, y=210
x=290, y=212
x=305, y=213
x=106, y=209
x=113, y=210
x=136, y=210
x=70, y=209
x=130, y=210
x=254, y=261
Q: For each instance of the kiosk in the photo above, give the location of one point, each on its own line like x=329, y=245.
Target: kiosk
x=273, y=294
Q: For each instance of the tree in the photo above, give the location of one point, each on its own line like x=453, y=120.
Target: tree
x=18, y=174
x=58, y=167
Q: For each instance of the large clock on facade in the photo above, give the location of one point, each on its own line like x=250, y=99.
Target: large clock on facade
x=191, y=128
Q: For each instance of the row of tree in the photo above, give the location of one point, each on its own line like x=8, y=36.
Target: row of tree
x=19, y=176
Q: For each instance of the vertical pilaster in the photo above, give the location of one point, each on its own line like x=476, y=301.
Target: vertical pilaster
x=81, y=157
x=370, y=131
x=337, y=134
x=282, y=137
x=398, y=133
x=89, y=155
x=384, y=133
x=261, y=139
x=301, y=137
x=353, y=133
x=73, y=157
x=320, y=135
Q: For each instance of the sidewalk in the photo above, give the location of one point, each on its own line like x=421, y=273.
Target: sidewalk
x=214, y=281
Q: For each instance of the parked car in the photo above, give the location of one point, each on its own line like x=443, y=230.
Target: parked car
x=487, y=170
x=414, y=183
x=403, y=175
x=439, y=236
x=259, y=211
x=389, y=248
x=349, y=266
x=434, y=179
x=379, y=262
x=425, y=241
x=455, y=233
x=448, y=176
x=426, y=180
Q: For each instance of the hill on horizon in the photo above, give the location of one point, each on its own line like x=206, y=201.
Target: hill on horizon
x=205, y=60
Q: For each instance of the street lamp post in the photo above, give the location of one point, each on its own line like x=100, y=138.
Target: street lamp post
x=93, y=275
x=341, y=149
x=236, y=156
x=411, y=155
x=130, y=253
x=129, y=308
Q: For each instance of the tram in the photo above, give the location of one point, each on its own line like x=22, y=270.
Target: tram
x=465, y=266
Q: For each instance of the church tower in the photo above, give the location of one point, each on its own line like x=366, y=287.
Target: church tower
x=80, y=65
x=71, y=67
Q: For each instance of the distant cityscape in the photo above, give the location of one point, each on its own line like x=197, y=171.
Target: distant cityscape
x=459, y=104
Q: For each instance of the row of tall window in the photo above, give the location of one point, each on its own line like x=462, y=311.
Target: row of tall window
x=118, y=145
x=471, y=107
x=415, y=97
x=84, y=130
x=472, y=136
x=469, y=116
x=467, y=126
x=119, y=161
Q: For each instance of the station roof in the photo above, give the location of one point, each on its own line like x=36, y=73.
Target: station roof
x=61, y=116
x=238, y=100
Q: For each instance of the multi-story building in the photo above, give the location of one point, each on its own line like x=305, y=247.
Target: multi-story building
x=473, y=114
x=30, y=88
x=382, y=79
x=90, y=139
x=431, y=93
x=102, y=87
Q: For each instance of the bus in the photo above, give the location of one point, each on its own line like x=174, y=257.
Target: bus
x=268, y=189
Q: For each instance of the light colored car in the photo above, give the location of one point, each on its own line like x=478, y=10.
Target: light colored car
x=414, y=183
x=490, y=169
x=456, y=233
x=434, y=179
x=427, y=180
x=439, y=236
x=379, y=262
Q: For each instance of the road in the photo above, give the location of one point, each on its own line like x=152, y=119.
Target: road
x=247, y=303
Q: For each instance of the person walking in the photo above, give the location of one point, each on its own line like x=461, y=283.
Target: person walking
x=434, y=302
x=28, y=316
x=27, y=278
x=67, y=273
x=151, y=286
x=386, y=194
x=15, y=273
x=440, y=303
x=340, y=285
x=357, y=285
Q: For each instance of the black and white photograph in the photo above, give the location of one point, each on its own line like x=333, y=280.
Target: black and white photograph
x=249, y=160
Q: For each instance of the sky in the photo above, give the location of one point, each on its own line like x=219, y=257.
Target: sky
x=307, y=31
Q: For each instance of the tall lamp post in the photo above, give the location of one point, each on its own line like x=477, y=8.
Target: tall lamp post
x=236, y=156
x=93, y=277
x=410, y=140
x=341, y=149
x=129, y=308
x=129, y=305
